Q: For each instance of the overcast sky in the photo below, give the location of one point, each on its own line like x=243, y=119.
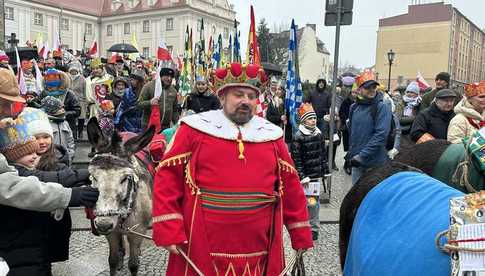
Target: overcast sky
x=358, y=41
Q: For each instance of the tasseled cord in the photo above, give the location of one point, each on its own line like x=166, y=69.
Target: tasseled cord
x=240, y=146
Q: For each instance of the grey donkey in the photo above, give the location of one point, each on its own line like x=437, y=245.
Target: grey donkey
x=125, y=193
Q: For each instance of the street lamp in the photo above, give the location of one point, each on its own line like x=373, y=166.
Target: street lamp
x=390, y=57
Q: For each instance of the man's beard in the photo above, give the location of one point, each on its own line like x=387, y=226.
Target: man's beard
x=241, y=115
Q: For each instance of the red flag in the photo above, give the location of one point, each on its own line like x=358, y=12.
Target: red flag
x=253, y=56
x=94, y=49
x=163, y=53
x=423, y=85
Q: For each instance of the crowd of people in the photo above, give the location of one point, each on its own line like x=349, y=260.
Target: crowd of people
x=39, y=127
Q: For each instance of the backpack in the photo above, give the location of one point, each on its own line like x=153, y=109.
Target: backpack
x=391, y=137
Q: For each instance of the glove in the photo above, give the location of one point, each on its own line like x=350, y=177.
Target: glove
x=356, y=161
x=84, y=196
x=392, y=153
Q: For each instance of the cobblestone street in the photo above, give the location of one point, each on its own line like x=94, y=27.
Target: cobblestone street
x=89, y=254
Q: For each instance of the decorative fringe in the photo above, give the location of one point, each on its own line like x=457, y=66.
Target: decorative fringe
x=286, y=167
x=189, y=180
x=176, y=160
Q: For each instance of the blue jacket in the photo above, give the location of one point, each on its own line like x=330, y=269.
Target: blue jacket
x=128, y=116
x=368, y=138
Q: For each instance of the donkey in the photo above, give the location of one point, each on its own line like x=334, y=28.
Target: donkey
x=125, y=193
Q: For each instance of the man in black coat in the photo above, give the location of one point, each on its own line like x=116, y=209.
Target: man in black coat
x=321, y=100
x=432, y=123
x=202, y=99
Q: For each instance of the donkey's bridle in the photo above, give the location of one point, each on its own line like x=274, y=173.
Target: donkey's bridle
x=129, y=200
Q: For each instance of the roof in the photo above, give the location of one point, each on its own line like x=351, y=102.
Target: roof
x=104, y=7
x=283, y=38
x=418, y=14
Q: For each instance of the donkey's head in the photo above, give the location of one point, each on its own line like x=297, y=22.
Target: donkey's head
x=113, y=173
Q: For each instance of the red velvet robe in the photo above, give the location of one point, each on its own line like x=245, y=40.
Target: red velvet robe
x=225, y=202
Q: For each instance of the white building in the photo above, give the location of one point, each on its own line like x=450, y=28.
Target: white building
x=313, y=57
x=114, y=21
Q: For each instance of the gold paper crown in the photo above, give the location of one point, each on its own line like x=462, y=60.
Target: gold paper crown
x=475, y=89
x=236, y=74
x=365, y=76
x=96, y=62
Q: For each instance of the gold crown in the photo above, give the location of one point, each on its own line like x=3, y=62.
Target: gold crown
x=475, y=89
x=365, y=76
x=96, y=62
x=237, y=74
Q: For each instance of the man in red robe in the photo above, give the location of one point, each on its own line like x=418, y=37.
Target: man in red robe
x=227, y=186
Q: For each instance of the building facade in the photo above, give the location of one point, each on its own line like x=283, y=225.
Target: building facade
x=115, y=21
x=431, y=38
x=313, y=56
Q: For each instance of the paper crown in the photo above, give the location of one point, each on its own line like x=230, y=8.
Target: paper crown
x=475, y=89
x=95, y=63
x=237, y=75
x=367, y=75
x=306, y=111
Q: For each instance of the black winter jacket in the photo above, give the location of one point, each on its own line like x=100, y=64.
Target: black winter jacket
x=321, y=100
x=202, y=102
x=432, y=121
x=24, y=241
x=308, y=153
x=273, y=114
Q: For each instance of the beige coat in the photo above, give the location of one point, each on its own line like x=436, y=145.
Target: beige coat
x=460, y=127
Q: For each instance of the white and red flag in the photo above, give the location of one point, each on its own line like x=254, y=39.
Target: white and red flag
x=163, y=53
x=422, y=82
x=93, y=51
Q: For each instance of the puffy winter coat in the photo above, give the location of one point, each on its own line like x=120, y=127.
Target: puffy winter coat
x=63, y=135
x=308, y=153
x=432, y=121
x=78, y=86
x=198, y=102
x=466, y=122
x=128, y=115
x=367, y=134
x=23, y=239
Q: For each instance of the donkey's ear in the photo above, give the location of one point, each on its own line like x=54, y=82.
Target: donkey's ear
x=137, y=143
x=95, y=135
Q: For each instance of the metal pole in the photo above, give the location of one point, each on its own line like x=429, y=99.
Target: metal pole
x=334, y=93
x=389, y=79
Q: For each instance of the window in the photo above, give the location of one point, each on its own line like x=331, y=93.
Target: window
x=214, y=30
x=88, y=28
x=64, y=24
x=169, y=24
x=199, y=24
x=109, y=30
x=170, y=49
x=146, y=26
x=146, y=52
x=9, y=13
x=152, y=2
x=226, y=33
x=38, y=19
x=126, y=28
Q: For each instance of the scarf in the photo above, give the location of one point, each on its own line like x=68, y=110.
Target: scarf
x=56, y=93
x=475, y=123
x=307, y=130
x=411, y=104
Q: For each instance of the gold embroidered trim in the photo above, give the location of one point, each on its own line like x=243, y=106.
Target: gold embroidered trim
x=176, y=160
x=300, y=224
x=167, y=217
x=287, y=167
x=189, y=180
x=236, y=256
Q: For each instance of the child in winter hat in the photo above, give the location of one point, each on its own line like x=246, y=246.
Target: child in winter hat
x=18, y=146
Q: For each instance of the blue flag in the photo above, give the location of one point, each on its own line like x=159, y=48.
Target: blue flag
x=294, y=93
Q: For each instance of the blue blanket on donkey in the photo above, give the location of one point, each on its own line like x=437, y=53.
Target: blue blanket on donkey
x=395, y=227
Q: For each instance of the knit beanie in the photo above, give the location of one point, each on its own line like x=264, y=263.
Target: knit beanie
x=413, y=87
x=306, y=112
x=37, y=121
x=16, y=141
x=443, y=76
x=52, y=106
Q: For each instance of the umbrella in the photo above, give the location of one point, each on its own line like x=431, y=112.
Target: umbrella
x=123, y=48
